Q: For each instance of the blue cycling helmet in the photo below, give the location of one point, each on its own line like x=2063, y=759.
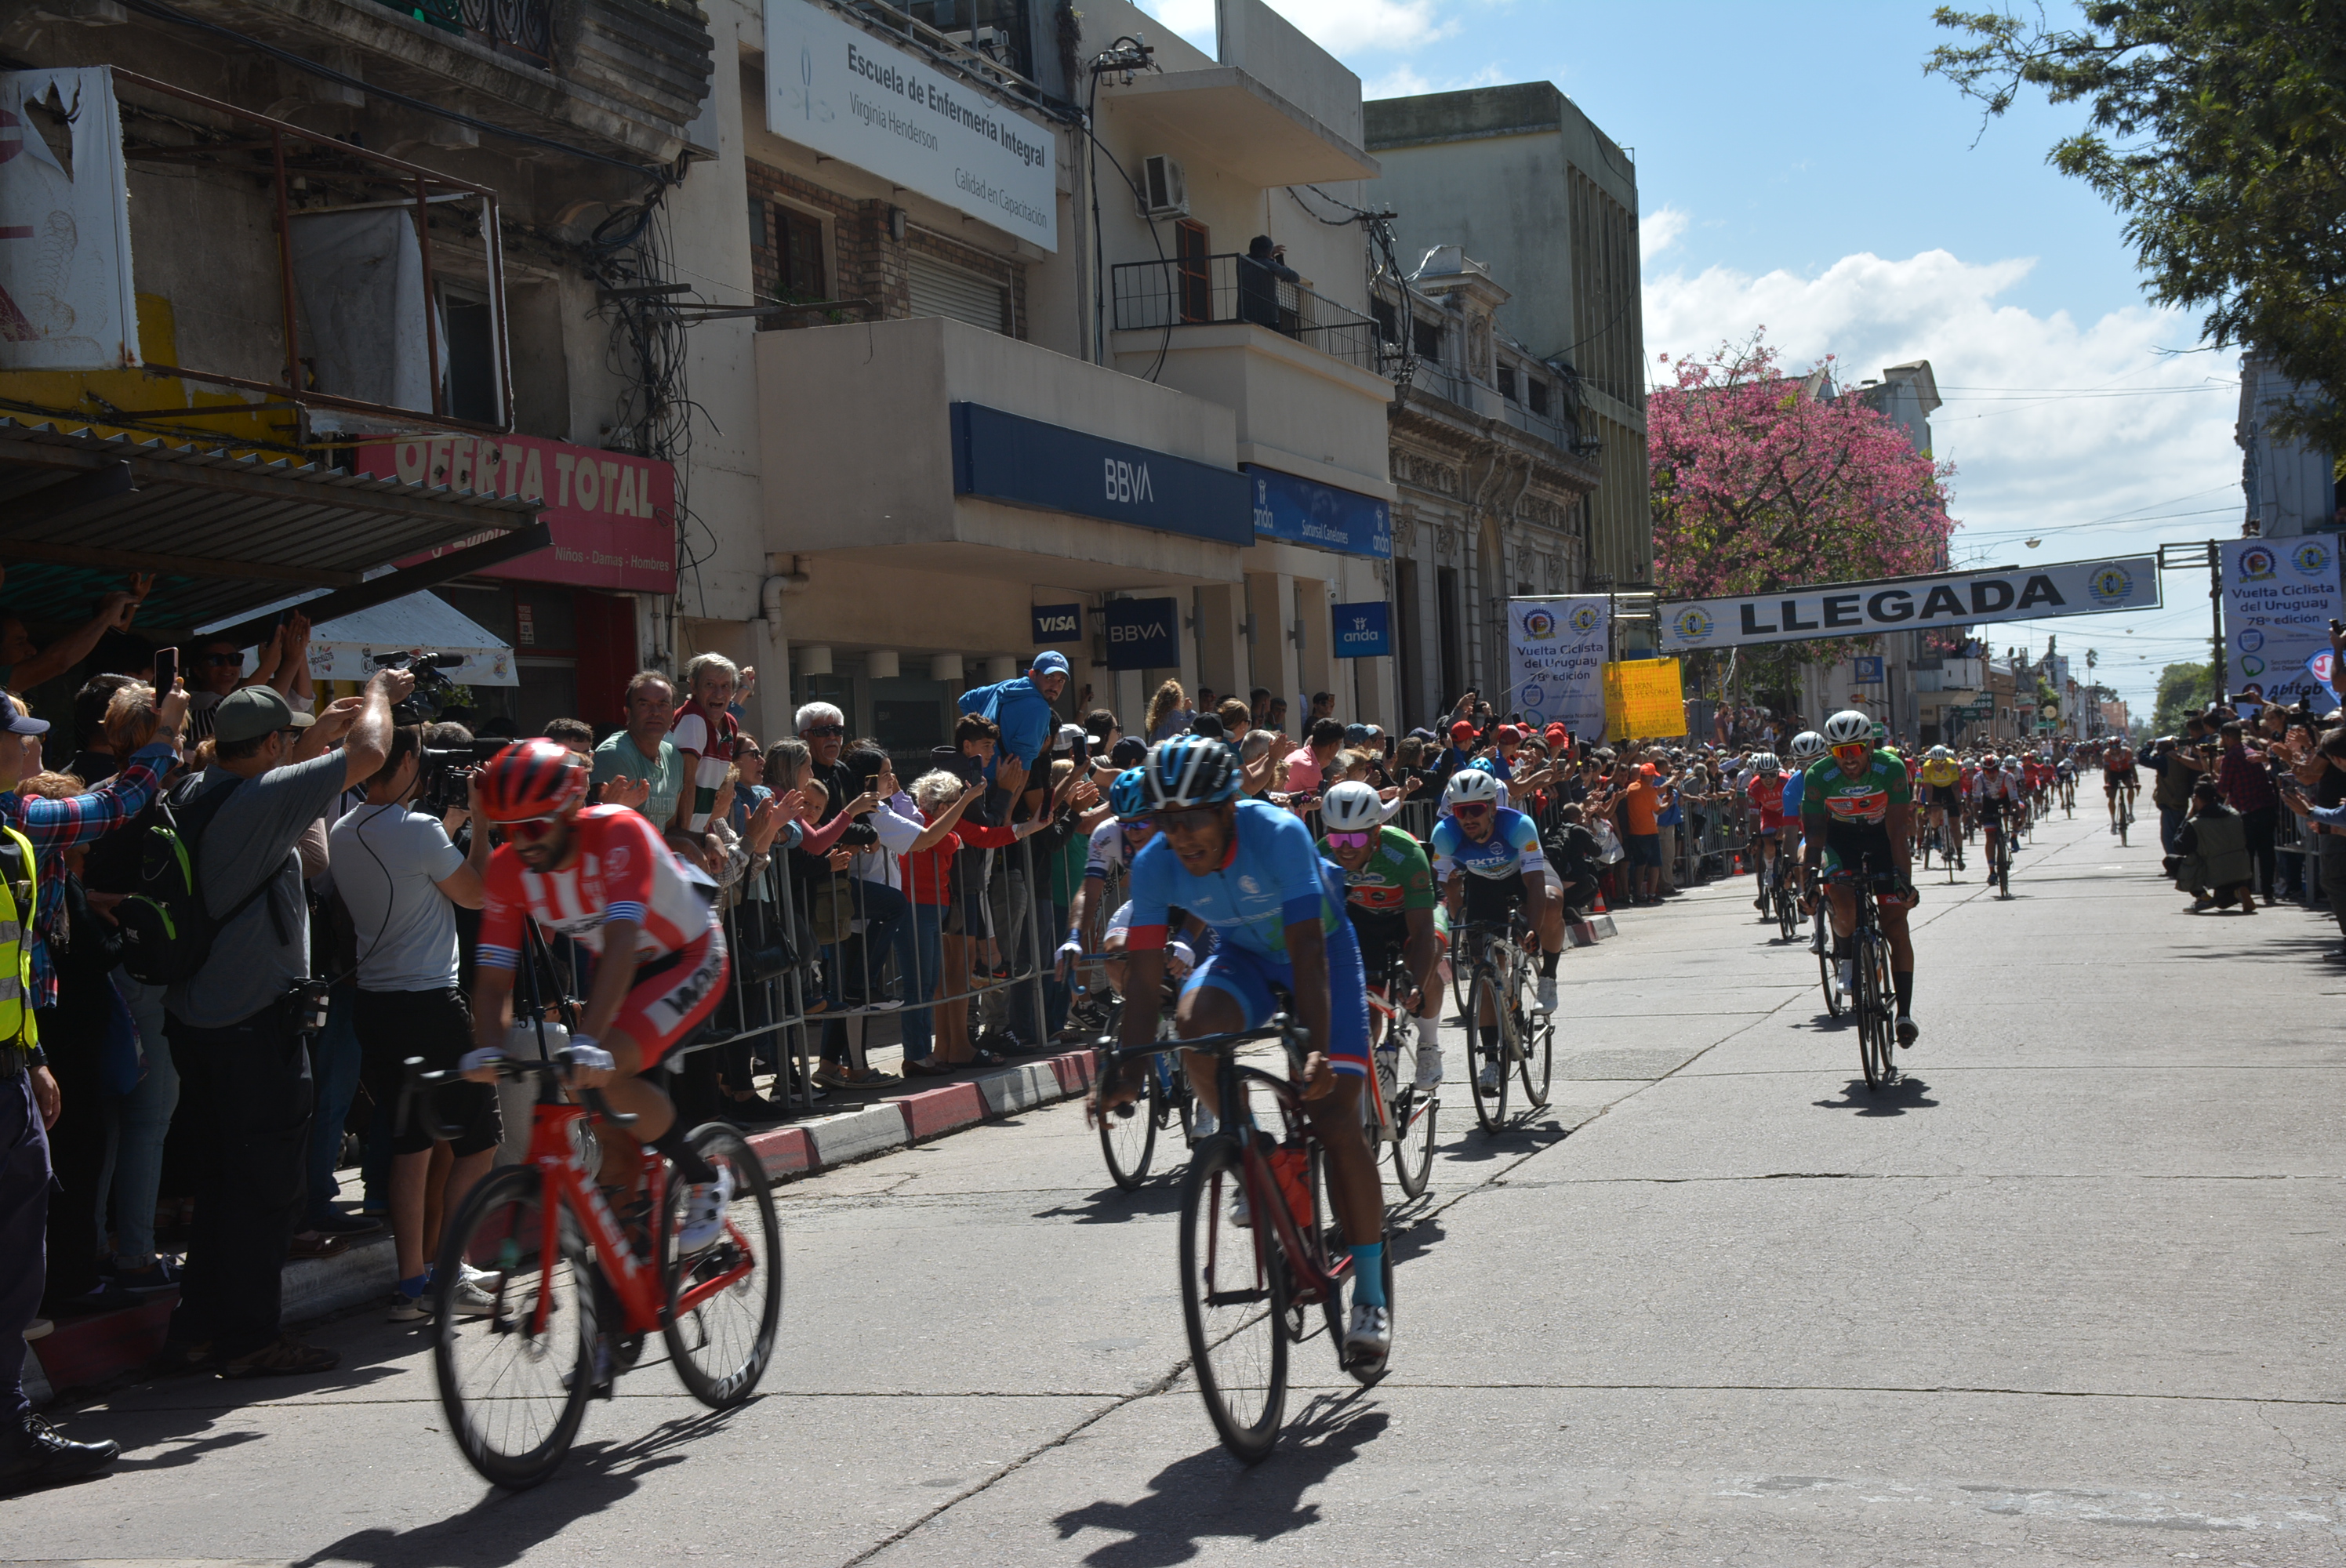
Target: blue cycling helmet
x=1190, y=770
x=1129, y=796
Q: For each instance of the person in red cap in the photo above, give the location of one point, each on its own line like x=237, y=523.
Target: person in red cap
x=1460, y=751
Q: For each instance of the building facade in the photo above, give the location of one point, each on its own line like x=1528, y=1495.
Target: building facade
x=2289, y=487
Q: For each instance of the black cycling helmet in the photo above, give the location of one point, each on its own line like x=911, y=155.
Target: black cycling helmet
x=1190, y=770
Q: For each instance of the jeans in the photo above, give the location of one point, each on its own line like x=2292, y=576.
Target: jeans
x=334, y=1060
x=24, y=1223
x=247, y=1087
x=2170, y=822
x=76, y=1155
x=136, y=1124
x=2258, y=825
x=1013, y=910
x=920, y=980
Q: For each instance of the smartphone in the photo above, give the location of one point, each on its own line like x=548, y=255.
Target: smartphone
x=166, y=669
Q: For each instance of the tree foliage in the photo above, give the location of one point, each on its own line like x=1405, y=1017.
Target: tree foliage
x=1760, y=482
x=2219, y=128
x=2183, y=689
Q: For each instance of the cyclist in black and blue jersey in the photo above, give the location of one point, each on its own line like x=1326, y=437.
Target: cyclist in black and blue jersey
x=1251, y=871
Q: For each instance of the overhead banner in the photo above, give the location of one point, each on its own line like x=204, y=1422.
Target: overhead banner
x=1644, y=699
x=1909, y=603
x=851, y=95
x=66, y=298
x=1306, y=512
x=1556, y=660
x=2278, y=597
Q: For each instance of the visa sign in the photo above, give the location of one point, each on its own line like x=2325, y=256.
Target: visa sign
x=1058, y=624
x=1143, y=634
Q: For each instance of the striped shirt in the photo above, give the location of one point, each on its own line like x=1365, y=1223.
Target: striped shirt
x=57, y=826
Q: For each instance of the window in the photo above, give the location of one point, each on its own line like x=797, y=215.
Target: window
x=1427, y=337
x=1191, y=246
x=1388, y=321
x=939, y=289
x=798, y=249
x=1507, y=382
x=758, y=237
x=1537, y=390
x=471, y=344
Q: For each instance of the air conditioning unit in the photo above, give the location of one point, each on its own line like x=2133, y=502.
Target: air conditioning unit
x=1165, y=190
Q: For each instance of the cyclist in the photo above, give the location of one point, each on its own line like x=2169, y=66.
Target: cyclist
x=602, y=876
x=1388, y=894
x=1487, y=859
x=1250, y=870
x=2118, y=772
x=1942, y=782
x=1767, y=792
x=2000, y=800
x=1807, y=747
x=1113, y=844
x=1856, y=804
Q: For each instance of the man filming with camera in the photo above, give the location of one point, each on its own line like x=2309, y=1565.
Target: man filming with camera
x=401, y=879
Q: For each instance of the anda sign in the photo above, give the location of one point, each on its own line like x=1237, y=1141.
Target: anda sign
x=1910, y=604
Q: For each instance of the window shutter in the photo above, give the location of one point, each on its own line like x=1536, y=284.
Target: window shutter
x=939, y=289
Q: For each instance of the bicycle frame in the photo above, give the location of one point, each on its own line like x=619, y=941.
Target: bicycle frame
x=1389, y=1004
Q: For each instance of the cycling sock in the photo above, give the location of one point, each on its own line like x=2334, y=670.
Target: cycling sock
x=1841, y=947
x=1369, y=1274
x=1903, y=981
x=413, y=1288
x=1547, y=964
x=1490, y=1036
x=681, y=1154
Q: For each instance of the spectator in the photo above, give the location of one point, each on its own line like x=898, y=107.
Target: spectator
x=1169, y=713
x=24, y=665
x=1640, y=804
x=1275, y=715
x=1258, y=764
x=704, y=734
x=2245, y=779
x=1258, y=705
x=95, y=761
x=936, y=1036
x=1021, y=708
x=401, y=877
x=1306, y=765
x=575, y=733
x=1323, y=706
x=2217, y=859
x=1260, y=272
x=1237, y=719
x=236, y=1026
x=641, y=755
x=1575, y=855
x=1105, y=730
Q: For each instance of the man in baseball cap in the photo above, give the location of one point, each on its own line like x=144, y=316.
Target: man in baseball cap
x=250, y=712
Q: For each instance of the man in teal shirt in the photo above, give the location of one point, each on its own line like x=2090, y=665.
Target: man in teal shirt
x=642, y=751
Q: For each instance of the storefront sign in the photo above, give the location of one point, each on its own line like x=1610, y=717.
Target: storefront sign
x=1305, y=512
x=2278, y=597
x=1362, y=630
x=1904, y=603
x=1058, y=623
x=66, y=297
x=1869, y=666
x=850, y=95
x=613, y=514
x=1556, y=661
x=1143, y=634
x=1009, y=457
x=1644, y=699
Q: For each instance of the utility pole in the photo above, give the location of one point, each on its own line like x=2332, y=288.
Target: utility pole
x=2206, y=555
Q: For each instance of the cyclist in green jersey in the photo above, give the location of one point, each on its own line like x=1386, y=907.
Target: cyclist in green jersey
x=1857, y=804
x=1389, y=895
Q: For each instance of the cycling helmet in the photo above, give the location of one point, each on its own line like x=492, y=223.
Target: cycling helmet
x=1350, y=809
x=1190, y=770
x=2011, y=765
x=1808, y=746
x=532, y=780
x=1939, y=754
x=1470, y=786
x=1129, y=796
x=1768, y=764
x=1848, y=728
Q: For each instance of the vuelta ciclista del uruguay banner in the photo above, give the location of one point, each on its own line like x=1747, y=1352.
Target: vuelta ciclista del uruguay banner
x=2278, y=597
x=1911, y=604
x=1556, y=661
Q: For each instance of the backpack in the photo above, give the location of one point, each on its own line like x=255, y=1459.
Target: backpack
x=166, y=929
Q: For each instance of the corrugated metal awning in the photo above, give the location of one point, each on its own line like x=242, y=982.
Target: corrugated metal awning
x=224, y=533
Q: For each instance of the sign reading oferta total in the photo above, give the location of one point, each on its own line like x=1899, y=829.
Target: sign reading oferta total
x=1913, y=604
x=851, y=95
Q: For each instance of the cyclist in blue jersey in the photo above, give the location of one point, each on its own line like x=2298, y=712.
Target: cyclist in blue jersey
x=1252, y=872
x=1492, y=856
x=1807, y=747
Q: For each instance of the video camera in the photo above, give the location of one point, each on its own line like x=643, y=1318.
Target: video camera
x=432, y=690
x=442, y=771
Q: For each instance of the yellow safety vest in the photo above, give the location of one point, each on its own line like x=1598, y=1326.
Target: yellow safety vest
x=19, y=894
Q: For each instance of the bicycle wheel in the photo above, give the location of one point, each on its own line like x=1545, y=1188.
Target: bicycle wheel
x=1486, y=1065
x=1871, y=1022
x=1788, y=912
x=1834, y=1001
x=1536, y=1063
x=724, y=1305
x=1233, y=1299
x=1128, y=1135
x=514, y=1380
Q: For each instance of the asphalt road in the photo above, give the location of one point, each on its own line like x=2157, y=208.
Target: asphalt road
x=2071, y=1294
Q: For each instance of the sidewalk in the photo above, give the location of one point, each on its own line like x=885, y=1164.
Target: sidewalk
x=85, y=1352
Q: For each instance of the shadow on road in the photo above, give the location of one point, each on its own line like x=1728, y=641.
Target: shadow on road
x=1210, y=1496
x=1160, y=1193
x=1909, y=1093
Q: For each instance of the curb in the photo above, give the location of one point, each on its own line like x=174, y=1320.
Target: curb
x=97, y=1350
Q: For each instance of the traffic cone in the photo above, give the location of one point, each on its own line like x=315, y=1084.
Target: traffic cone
x=1600, y=908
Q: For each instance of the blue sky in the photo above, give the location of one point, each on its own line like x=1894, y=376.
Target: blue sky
x=1797, y=170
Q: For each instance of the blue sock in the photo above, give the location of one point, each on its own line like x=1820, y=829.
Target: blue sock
x=413, y=1288
x=1369, y=1274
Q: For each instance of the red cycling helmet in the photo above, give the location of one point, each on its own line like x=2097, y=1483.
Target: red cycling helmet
x=531, y=780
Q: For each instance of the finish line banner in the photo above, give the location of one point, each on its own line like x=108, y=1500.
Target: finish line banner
x=1908, y=604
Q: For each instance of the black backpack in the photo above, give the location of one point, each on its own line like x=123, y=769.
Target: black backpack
x=166, y=933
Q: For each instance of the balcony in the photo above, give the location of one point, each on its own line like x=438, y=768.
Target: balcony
x=1153, y=295
x=1224, y=119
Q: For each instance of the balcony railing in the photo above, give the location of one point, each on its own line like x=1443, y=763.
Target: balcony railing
x=523, y=27
x=1203, y=290
x=1555, y=432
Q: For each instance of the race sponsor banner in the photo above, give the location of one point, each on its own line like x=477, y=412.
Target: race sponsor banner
x=1644, y=699
x=1911, y=604
x=1556, y=660
x=2278, y=597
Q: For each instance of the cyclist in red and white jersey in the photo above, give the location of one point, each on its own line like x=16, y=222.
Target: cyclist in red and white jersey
x=1767, y=792
x=602, y=876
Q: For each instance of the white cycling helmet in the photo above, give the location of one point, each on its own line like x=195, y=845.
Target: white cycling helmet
x=1808, y=746
x=1350, y=807
x=2012, y=764
x=1939, y=754
x=1469, y=786
x=1768, y=764
x=1848, y=728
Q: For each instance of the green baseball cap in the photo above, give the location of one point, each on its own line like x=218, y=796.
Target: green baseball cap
x=250, y=712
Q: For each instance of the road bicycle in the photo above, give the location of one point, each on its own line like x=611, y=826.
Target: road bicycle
x=1873, y=994
x=1784, y=896
x=1836, y=1001
x=1129, y=1133
x=2125, y=814
x=573, y=1290
x=1999, y=856
x=1500, y=983
x=1400, y=1115
x=1248, y=1286
x=2069, y=797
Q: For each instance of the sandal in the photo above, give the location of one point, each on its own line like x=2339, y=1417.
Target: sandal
x=986, y=1059
x=282, y=1357
x=927, y=1067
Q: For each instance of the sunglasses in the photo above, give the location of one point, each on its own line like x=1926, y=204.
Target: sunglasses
x=216, y=660
x=1191, y=820
x=1473, y=809
x=1348, y=841
x=823, y=731
x=529, y=830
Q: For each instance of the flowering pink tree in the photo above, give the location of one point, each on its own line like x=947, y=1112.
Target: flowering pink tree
x=1760, y=482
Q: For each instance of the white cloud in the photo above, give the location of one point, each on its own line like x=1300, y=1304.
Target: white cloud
x=1658, y=231
x=1405, y=80
x=2152, y=439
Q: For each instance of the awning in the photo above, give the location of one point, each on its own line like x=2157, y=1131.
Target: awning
x=344, y=648
x=224, y=535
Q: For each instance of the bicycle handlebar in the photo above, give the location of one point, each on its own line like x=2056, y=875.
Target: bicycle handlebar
x=419, y=1083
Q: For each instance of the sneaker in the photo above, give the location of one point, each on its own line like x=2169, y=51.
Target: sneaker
x=1544, y=991
x=1368, y=1341
x=406, y=1308
x=1429, y=1065
x=1907, y=1029
x=1845, y=975
x=1202, y=1123
x=1241, y=1212
x=152, y=1281
x=1487, y=1082
x=1760, y=903
x=704, y=1212
x=476, y=1295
